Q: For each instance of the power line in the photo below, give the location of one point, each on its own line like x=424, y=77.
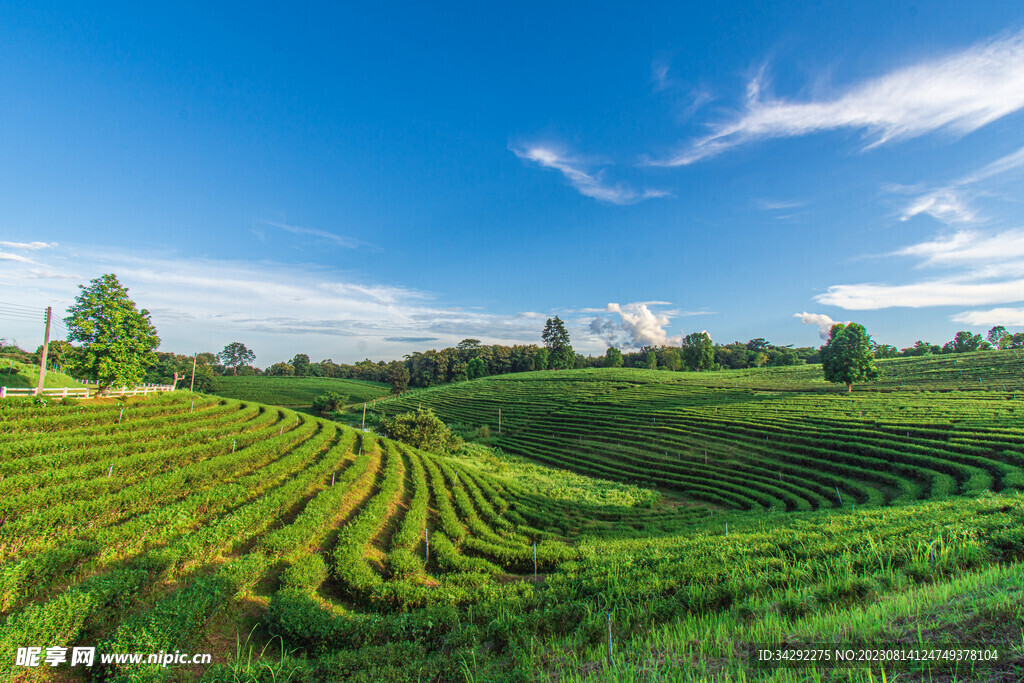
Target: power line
x=9, y=304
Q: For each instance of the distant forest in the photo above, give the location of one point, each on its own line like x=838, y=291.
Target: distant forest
x=471, y=359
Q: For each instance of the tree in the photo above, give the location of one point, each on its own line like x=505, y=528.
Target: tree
x=234, y=355
x=996, y=334
x=886, y=351
x=281, y=370
x=698, y=351
x=613, y=358
x=556, y=339
x=398, y=376
x=651, y=360
x=118, y=339
x=555, y=334
x=476, y=368
x=847, y=357
x=301, y=364
x=963, y=342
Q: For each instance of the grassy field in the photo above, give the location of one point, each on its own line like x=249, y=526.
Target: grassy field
x=297, y=391
x=298, y=549
x=16, y=374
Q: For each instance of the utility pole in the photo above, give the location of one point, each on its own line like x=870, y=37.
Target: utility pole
x=46, y=344
x=192, y=385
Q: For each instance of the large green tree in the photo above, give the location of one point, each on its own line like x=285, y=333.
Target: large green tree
x=117, y=339
x=234, y=355
x=698, y=351
x=613, y=358
x=301, y=364
x=848, y=356
x=556, y=340
x=398, y=376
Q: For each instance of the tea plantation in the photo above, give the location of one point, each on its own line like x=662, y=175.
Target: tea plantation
x=623, y=525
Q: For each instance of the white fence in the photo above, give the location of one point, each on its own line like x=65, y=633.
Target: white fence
x=83, y=392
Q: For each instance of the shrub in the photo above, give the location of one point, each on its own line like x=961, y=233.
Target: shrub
x=422, y=429
x=328, y=403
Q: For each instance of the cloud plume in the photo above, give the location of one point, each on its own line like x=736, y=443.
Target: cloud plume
x=823, y=322
x=637, y=326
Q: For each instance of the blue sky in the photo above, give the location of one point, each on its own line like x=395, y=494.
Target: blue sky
x=355, y=182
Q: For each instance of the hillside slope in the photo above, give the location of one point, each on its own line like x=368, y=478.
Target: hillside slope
x=725, y=441
x=17, y=374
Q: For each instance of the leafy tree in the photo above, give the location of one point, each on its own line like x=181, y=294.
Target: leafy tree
x=886, y=351
x=421, y=429
x=847, y=356
x=234, y=355
x=281, y=370
x=555, y=334
x=698, y=351
x=541, y=359
x=963, y=342
x=325, y=404
x=996, y=334
x=476, y=368
x=613, y=358
x=301, y=364
x=651, y=360
x=556, y=340
x=759, y=344
x=670, y=358
x=398, y=376
x=118, y=339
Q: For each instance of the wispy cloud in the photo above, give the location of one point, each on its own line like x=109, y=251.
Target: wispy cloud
x=957, y=94
x=28, y=245
x=777, y=205
x=277, y=309
x=1009, y=317
x=4, y=256
x=951, y=204
x=937, y=292
x=340, y=240
x=586, y=183
x=969, y=247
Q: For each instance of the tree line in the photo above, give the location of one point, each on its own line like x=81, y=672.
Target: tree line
x=117, y=342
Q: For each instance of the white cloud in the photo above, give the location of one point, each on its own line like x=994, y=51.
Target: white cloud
x=952, y=204
x=1009, y=317
x=947, y=204
x=587, y=184
x=939, y=292
x=637, y=326
x=4, y=256
x=277, y=309
x=969, y=247
x=28, y=245
x=823, y=322
x=956, y=94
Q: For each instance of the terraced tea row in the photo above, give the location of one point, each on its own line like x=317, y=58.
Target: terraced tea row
x=743, y=449
x=147, y=527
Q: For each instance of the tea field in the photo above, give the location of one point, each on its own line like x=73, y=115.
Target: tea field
x=296, y=392
x=591, y=539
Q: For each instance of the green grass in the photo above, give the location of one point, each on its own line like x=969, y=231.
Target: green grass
x=17, y=374
x=297, y=391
